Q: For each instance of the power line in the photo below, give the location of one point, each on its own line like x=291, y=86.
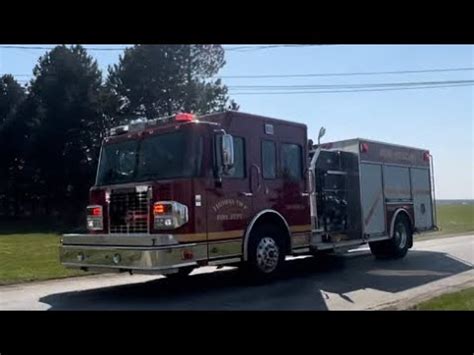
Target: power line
x=327, y=74
x=343, y=90
x=17, y=74
x=345, y=86
x=251, y=48
x=298, y=88
x=48, y=48
x=247, y=48
x=344, y=74
x=349, y=91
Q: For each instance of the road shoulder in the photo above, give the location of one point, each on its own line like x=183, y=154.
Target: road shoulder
x=410, y=298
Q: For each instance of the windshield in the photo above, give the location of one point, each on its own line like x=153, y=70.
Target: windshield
x=165, y=156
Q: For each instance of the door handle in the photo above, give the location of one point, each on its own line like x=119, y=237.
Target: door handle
x=305, y=194
x=247, y=194
x=259, y=181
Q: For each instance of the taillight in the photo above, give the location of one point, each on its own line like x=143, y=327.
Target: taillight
x=95, y=220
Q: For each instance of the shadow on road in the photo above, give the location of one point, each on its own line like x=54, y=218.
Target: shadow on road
x=302, y=285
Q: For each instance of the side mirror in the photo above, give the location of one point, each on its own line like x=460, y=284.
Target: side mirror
x=227, y=150
x=322, y=132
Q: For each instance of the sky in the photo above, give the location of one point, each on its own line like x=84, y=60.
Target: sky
x=439, y=119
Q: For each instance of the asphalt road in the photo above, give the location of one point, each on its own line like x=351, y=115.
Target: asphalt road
x=355, y=281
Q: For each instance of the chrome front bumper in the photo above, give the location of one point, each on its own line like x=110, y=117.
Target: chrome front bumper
x=122, y=253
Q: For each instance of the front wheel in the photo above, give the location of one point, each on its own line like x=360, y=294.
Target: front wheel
x=266, y=252
x=397, y=246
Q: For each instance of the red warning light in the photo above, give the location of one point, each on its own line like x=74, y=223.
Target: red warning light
x=184, y=117
x=364, y=147
x=426, y=156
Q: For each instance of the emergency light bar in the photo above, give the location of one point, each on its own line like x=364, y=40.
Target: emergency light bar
x=185, y=117
x=141, y=124
x=118, y=130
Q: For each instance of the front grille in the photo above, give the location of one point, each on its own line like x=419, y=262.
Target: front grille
x=128, y=211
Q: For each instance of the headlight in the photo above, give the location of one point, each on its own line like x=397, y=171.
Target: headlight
x=169, y=214
x=95, y=220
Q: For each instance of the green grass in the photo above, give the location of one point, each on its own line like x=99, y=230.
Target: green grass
x=29, y=257
x=457, y=301
x=454, y=219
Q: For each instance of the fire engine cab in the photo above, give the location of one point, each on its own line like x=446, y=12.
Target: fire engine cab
x=176, y=193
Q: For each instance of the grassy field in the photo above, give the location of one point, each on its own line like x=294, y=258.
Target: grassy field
x=457, y=301
x=28, y=256
x=452, y=220
x=456, y=218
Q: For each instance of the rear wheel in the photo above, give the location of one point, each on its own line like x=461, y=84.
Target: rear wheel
x=266, y=252
x=398, y=245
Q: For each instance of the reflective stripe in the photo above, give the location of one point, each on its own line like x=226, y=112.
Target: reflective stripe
x=193, y=237
x=301, y=228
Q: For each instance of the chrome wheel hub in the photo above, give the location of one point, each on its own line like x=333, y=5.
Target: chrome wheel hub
x=267, y=254
x=401, y=235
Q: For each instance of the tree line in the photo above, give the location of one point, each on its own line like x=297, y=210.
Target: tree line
x=51, y=128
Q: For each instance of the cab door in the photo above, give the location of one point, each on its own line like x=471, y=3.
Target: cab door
x=229, y=201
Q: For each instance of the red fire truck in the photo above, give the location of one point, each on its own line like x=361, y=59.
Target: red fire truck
x=176, y=193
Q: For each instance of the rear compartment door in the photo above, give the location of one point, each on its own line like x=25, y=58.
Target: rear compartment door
x=372, y=199
x=421, y=189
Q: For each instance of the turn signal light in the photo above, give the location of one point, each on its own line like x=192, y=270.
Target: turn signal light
x=95, y=211
x=161, y=208
x=158, y=208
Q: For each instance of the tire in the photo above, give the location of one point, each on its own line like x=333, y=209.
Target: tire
x=266, y=252
x=397, y=246
x=181, y=274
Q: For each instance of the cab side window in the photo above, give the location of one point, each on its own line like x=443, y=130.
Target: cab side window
x=238, y=170
x=269, y=159
x=291, y=162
